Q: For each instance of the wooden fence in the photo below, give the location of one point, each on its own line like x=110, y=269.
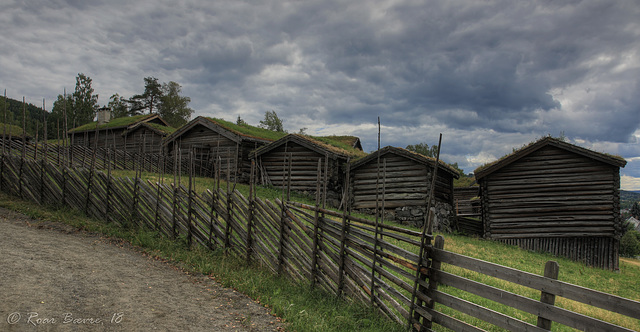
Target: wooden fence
x=345, y=255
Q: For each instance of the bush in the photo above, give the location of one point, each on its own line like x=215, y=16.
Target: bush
x=630, y=244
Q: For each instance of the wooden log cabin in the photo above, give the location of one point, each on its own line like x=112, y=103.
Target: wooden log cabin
x=117, y=133
x=212, y=142
x=403, y=179
x=146, y=137
x=556, y=197
x=305, y=152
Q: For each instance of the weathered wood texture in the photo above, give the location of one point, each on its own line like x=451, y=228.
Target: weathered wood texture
x=214, y=150
x=558, y=201
x=360, y=259
x=304, y=170
x=407, y=182
x=463, y=198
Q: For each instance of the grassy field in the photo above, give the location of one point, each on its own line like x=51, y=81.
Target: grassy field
x=308, y=310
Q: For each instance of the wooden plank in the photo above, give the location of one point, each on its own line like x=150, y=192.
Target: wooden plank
x=595, y=298
x=555, y=314
x=487, y=315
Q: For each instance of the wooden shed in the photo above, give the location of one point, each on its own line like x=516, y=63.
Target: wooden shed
x=305, y=153
x=112, y=133
x=405, y=180
x=556, y=197
x=218, y=142
x=146, y=137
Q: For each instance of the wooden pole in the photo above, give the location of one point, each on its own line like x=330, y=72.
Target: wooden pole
x=65, y=157
x=424, y=241
x=251, y=210
x=4, y=126
x=227, y=231
x=377, y=227
x=44, y=123
x=316, y=227
x=282, y=215
x=190, y=197
x=24, y=128
x=344, y=231
x=289, y=177
x=551, y=270
x=108, y=194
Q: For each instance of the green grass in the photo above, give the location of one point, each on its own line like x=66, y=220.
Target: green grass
x=118, y=122
x=201, y=184
x=12, y=130
x=301, y=308
x=249, y=130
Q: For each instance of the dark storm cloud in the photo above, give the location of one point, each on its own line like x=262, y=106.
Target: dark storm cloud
x=490, y=75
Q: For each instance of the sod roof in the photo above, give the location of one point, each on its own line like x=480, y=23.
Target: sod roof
x=407, y=154
x=323, y=144
x=123, y=122
x=489, y=168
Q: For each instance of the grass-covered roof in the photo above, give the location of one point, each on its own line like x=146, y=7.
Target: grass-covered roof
x=248, y=130
x=325, y=143
x=114, y=123
x=489, y=168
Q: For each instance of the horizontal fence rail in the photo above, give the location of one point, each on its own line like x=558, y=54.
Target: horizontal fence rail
x=368, y=261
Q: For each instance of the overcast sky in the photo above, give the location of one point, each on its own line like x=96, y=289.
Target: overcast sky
x=489, y=75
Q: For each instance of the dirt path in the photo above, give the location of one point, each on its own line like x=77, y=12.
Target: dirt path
x=54, y=278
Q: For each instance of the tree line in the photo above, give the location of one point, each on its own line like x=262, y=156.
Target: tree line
x=81, y=105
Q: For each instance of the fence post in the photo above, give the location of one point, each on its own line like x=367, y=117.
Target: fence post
x=551, y=270
x=345, y=228
x=251, y=207
x=2, y=167
x=190, y=200
x=282, y=217
x=108, y=189
x=227, y=231
x=433, y=284
x=316, y=227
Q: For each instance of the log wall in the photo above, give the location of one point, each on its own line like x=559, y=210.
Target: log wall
x=211, y=148
x=304, y=168
x=407, y=184
x=554, y=193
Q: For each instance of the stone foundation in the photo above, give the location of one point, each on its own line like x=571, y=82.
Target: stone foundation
x=415, y=216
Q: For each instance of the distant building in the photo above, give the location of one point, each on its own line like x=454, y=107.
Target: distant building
x=118, y=133
x=210, y=142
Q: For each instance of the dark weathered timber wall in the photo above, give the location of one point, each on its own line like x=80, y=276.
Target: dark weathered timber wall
x=109, y=138
x=462, y=199
x=211, y=148
x=554, y=193
x=143, y=140
x=407, y=183
x=304, y=168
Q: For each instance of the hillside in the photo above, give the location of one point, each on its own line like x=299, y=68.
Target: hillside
x=14, y=116
x=627, y=198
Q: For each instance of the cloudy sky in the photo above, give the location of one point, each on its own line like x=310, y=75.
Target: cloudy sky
x=489, y=75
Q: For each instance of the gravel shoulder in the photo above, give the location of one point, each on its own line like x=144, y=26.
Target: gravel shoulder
x=56, y=278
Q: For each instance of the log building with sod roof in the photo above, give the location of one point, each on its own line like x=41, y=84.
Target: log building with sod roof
x=300, y=162
x=403, y=179
x=215, y=144
x=124, y=134
x=556, y=197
